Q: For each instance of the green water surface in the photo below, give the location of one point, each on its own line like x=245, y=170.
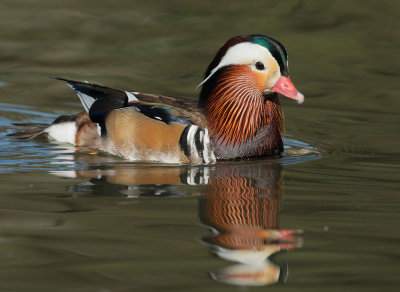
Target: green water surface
x=324, y=217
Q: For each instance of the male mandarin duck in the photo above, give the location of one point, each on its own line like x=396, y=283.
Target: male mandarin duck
x=237, y=116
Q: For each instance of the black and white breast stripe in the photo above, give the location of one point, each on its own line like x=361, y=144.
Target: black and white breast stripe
x=195, y=176
x=195, y=144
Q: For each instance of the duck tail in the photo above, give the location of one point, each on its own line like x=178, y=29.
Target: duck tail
x=63, y=129
x=33, y=130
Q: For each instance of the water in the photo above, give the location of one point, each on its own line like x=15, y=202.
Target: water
x=323, y=217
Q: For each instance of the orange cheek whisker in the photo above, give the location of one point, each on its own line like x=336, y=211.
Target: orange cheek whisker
x=243, y=112
x=237, y=109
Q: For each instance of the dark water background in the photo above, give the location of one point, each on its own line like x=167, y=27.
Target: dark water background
x=324, y=217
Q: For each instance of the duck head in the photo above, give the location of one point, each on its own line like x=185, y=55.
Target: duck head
x=239, y=93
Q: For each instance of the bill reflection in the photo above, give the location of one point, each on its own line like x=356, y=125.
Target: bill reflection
x=241, y=208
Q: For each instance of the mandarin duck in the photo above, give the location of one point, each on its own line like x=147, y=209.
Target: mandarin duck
x=237, y=116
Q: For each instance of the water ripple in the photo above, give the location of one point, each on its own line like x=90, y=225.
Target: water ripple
x=22, y=155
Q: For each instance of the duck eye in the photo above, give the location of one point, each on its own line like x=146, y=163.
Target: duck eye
x=260, y=66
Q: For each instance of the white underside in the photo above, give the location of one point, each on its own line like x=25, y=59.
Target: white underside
x=170, y=158
x=62, y=132
x=134, y=154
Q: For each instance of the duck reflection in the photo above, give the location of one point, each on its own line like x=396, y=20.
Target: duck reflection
x=109, y=176
x=240, y=207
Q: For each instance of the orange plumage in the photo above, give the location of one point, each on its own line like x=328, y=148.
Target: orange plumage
x=237, y=107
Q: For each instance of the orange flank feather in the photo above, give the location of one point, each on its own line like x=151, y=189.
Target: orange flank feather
x=237, y=108
x=140, y=143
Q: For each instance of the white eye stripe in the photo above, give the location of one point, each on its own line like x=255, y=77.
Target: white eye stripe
x=243, y=54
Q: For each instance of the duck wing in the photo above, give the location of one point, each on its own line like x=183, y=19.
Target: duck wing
x=141, y=126
x=184, y=108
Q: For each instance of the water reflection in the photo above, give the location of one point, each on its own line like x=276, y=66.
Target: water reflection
x=240, y=207
x=107, y=175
